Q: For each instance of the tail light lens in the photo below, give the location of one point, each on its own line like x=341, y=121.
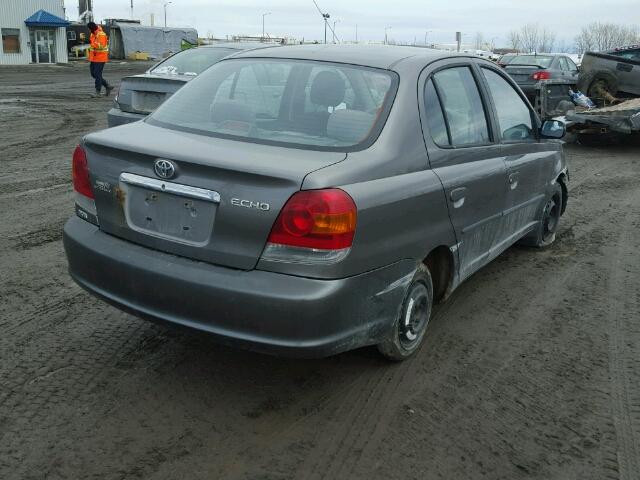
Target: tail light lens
x=315, y=226
x=541, y=75
x=80, y=173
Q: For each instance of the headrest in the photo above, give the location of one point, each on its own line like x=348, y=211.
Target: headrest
x=350, y=126
x=327, y=89
x=226, y=110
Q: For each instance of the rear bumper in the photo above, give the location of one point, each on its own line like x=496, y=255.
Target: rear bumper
x=262, y=311
x=116, y=117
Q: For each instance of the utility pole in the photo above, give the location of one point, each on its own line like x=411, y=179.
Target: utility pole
x=425, y=36
x=385, y=35
x=264, y=15
x=165, y=13
x=356, y=33
x=131, y=9
x=334, y=30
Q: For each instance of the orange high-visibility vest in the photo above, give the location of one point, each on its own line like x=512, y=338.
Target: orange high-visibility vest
x=99, y=46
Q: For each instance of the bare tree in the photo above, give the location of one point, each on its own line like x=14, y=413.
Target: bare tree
x=605, y=36
x=514, y=39
x=547, y=40
x=530, y=37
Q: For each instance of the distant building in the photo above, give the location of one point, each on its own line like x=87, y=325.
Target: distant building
x=33, y=31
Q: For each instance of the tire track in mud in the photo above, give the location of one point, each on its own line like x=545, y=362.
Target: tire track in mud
x=36, y=238
x=624, y=340
x=73, y=121
x=346, y=445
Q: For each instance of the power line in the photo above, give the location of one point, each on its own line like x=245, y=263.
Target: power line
x=325, y=17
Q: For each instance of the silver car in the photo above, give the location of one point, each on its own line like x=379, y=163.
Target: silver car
x=140, y=95
x=309, y=200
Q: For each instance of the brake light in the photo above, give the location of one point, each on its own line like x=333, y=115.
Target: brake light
x=80, y=173
x=541, y=75
x=314, y=226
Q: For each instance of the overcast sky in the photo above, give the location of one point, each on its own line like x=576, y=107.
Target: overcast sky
x=407, y=19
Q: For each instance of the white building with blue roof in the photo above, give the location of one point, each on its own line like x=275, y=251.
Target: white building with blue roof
x=33, y=31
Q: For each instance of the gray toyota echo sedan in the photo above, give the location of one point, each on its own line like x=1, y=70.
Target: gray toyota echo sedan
x=309, y=200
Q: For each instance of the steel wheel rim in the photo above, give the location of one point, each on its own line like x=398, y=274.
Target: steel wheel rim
x=551, y=216
x=415, y=316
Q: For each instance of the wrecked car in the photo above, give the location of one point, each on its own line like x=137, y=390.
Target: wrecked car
x=309, y=200
x=529, y=70
x=139, y=95
x=607, y=75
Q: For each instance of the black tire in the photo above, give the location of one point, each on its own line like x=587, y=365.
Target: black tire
x=588, y=83
x=407, y=333
x=545, y=233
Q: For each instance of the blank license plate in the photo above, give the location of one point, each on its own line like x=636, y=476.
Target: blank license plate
x=169, y=216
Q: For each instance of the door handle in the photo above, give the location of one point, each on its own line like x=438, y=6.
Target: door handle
x=457, y=196
x=513, y=180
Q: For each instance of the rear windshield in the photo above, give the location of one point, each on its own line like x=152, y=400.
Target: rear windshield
x=310, y=104
x=537, y=60
x=192, y=62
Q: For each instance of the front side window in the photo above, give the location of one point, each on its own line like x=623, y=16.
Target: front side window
x=11, y=40
x=462, y=106
x=192, y=62
x=291, y=102
x=514, y=116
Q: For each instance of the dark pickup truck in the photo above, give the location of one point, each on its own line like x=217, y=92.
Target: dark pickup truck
x=612, y=74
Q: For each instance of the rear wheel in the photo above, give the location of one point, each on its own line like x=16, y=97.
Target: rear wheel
x=409, y=328
x=545, y=233
x=599, y=85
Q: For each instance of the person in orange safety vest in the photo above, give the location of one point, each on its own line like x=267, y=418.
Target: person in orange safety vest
x=98, y=56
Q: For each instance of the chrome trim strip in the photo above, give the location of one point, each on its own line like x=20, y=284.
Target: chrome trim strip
x=169, y=187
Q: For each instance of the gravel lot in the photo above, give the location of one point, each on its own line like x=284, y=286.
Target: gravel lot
x=531, y=370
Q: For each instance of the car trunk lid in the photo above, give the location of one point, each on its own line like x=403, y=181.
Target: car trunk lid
x=220, y=205
x=144, y=93
x=523, y=74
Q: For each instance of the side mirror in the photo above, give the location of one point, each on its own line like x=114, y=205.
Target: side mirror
x=553, y=129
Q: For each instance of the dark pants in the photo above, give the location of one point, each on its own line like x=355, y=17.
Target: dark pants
x=96, y=72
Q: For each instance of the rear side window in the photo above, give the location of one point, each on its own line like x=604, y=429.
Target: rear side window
x=628, y=54
x=514, y=117
x=435, y=118
x=462, y=105
x=318, y=105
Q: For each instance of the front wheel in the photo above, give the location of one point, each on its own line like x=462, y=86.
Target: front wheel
x=409, y=328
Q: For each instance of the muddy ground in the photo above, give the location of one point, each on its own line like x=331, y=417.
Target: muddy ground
x=531, y=370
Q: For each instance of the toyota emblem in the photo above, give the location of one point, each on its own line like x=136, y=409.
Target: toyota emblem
x=164, y=168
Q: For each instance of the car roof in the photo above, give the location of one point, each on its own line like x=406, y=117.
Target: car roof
x=240, y=45
x=377, y=56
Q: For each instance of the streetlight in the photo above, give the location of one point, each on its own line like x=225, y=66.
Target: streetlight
x=264, y=15
x=385, y=34
x=165, y=13
x=326, y=17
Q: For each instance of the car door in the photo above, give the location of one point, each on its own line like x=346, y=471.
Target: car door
x=527, y=159
x=464, y=154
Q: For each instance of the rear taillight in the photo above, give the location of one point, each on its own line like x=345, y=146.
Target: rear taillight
x=315, y=226
x=541, y=75
x=80, y=173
